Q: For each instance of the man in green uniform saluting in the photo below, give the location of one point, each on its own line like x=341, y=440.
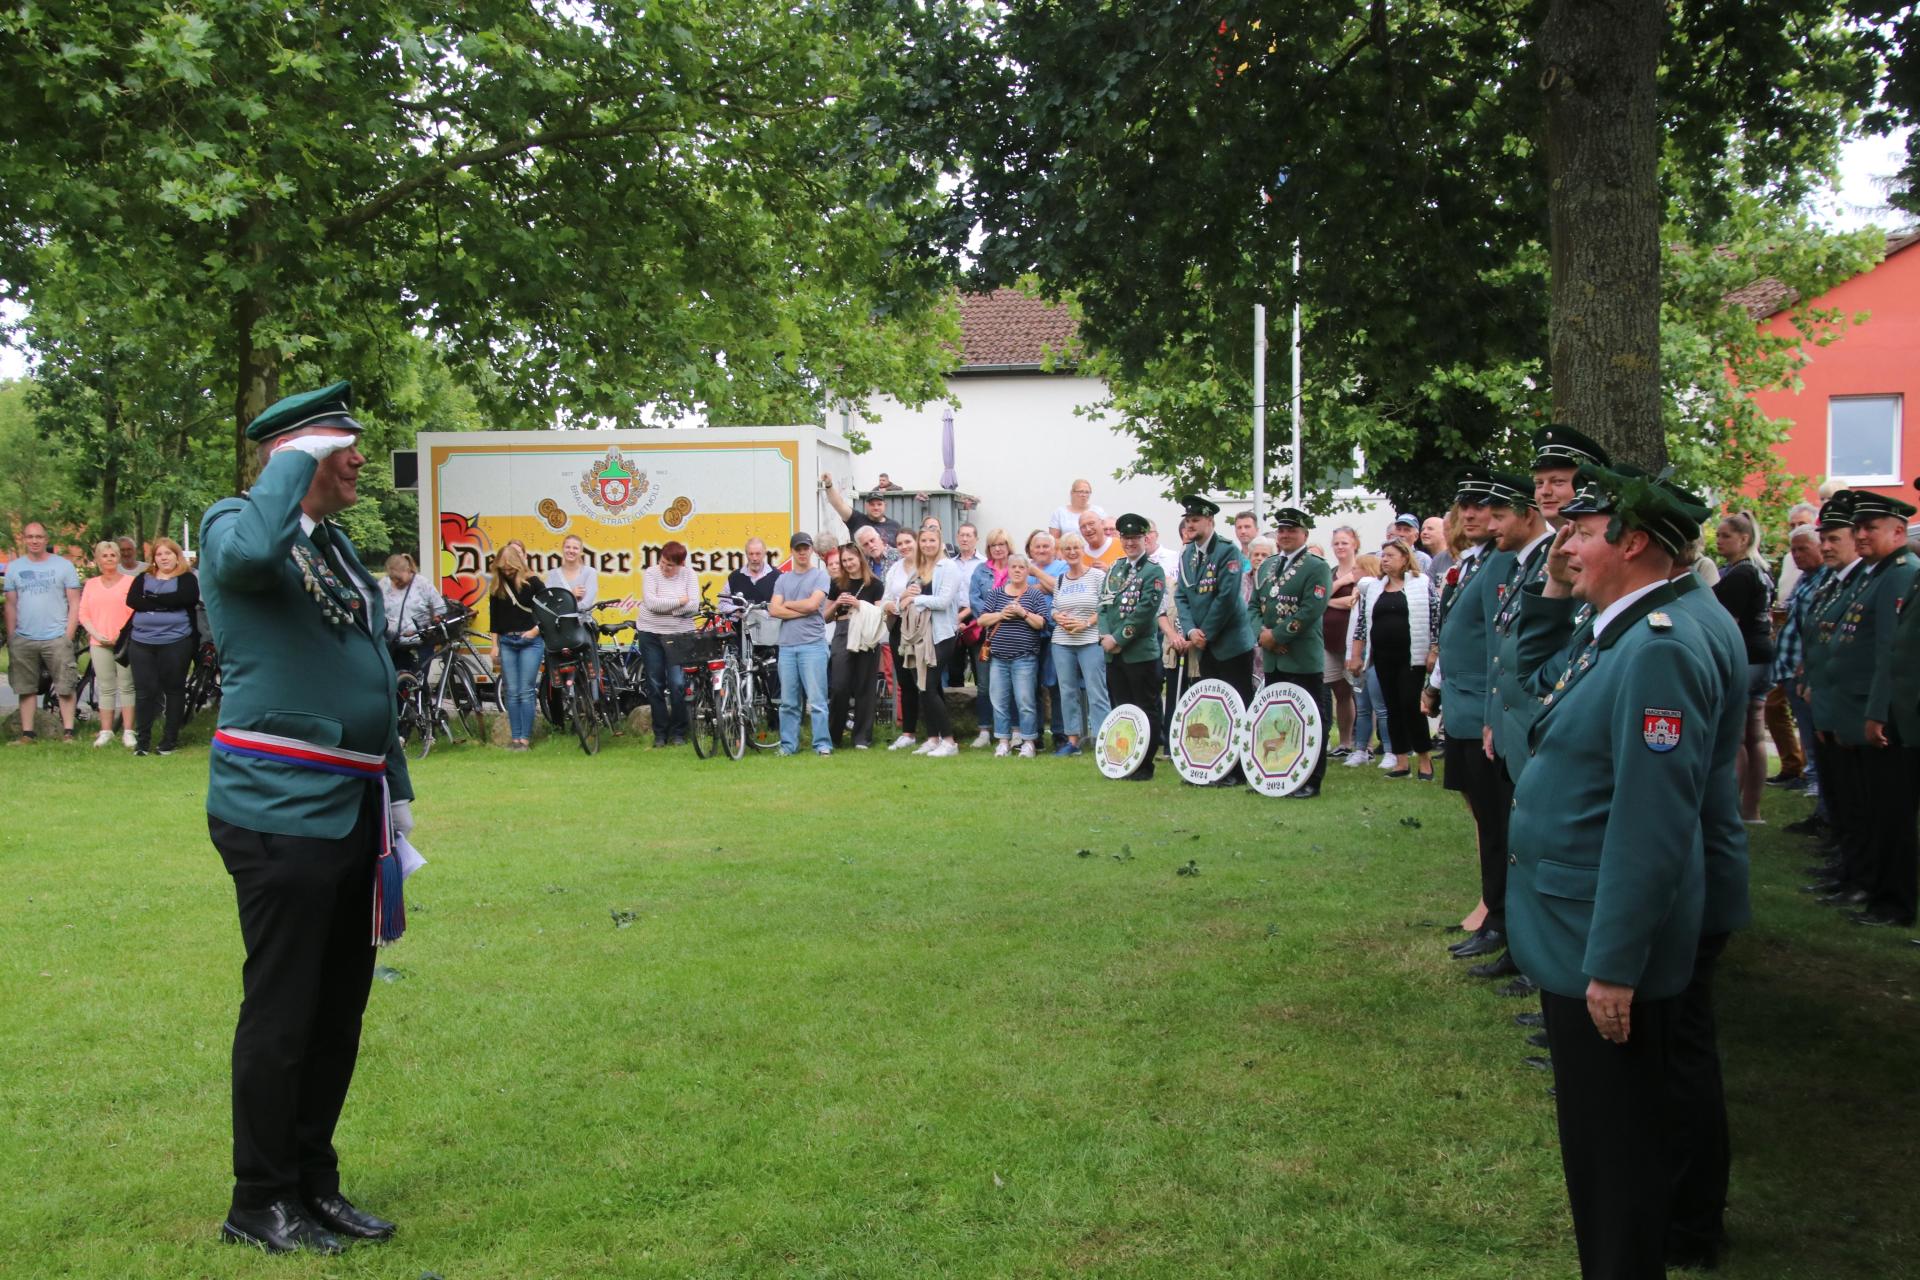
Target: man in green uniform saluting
x=1130, y=602
x=1214, y=632
x=308, y=804
x=1290, y=591
x=1606, y=883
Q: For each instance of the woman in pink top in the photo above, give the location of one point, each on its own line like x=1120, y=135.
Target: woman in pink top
x=104, y=614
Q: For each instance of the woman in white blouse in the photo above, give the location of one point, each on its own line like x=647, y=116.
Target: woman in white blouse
x=1079, y=662
x=575, y=572
x=1396, y=628
x=926, y=598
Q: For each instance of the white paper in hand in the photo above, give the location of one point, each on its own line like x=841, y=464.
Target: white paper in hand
x=410, y=859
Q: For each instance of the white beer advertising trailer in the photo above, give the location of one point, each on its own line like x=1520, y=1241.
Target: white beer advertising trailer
x=625, y=494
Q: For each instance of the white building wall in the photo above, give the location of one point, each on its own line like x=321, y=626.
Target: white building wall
x=1018, y=447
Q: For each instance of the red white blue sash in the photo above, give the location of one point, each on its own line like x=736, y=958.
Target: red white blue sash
x=389, y=905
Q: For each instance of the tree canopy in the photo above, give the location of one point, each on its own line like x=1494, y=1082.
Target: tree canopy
x=587, y=208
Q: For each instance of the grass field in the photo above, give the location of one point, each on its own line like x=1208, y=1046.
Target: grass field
x=884, y=1016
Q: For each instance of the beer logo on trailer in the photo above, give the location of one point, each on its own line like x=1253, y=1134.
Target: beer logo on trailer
x=614, y=492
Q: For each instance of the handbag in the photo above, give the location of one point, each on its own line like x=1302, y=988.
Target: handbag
x=123, y=645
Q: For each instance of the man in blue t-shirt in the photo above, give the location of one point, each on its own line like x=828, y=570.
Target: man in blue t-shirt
x=799, y=597
x=43, y=608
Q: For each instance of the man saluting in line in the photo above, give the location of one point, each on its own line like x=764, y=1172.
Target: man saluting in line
x=308, y=806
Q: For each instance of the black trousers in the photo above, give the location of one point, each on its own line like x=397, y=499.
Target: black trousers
x=1489, y=796
x=1612, y=1105
x=1400, y=685
x=159, y=677
x=306, y=915
x=1892, y=864
x=1138, y=684
x=1316, y=685
x=1849, y=809
x=853, y=680
x=1697, y=1101
x=1175, y=682
x=929, y=704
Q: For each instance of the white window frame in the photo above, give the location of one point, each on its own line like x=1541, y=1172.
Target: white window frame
x=1899, y=430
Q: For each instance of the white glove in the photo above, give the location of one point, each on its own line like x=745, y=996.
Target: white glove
x=400, y=816
x=319, y=448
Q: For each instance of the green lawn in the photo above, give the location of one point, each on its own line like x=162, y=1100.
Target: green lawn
x=885, y=1016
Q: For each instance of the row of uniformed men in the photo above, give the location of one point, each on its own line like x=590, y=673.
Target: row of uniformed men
x=1860, y=672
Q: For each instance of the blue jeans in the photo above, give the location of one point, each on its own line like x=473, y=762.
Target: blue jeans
x=1083, y=686
x=803, y=672
x=1369, y=713
x=666, y=688
x=1014, y=691
x=1803, y=723
x=520, y=674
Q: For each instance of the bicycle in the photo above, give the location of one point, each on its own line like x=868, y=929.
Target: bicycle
x=755, y=677
x=424, y=698
x=569, y=673
x=623, y=672
x=713, y=686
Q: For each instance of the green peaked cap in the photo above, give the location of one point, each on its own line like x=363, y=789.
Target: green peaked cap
x=331, y=405
x=1667, y=513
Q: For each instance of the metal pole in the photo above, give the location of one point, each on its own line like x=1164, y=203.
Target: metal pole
x=1259, y=414
x=1296, y=373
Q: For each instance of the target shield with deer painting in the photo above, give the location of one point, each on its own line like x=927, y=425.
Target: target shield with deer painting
x=1202, y=735
x=1280, y=739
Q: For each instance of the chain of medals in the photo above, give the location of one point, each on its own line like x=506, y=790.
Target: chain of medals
x=1276, y=582
x=1516, y=587
x=339, y=602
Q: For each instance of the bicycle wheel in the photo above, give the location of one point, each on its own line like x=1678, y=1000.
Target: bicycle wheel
x=471, y=722
x=416, y=729
x=586, y=723
x=732, y=715
x=761, y=715
x=705, y=715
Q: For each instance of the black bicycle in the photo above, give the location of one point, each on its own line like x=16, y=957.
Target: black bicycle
x=570, y=673
x=443, y=702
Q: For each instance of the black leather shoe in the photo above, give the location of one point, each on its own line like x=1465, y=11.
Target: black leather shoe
x=1538, y=1063
x=1807, y=826
x=337, y=1214
x=1529, y=1020
x=1824, y=888
x=1846, y=898
x=1484, y=943
x=1879, y=920
x=1521, y=986
x=1538, y=1040
x=1504, y=967
x=281, y=1227
x=1307, y=792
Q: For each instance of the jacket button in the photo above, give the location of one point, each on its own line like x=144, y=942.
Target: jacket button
x=1513, y=860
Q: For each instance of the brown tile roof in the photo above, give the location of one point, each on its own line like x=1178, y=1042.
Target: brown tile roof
x=1009, y=328
x=1767, y=296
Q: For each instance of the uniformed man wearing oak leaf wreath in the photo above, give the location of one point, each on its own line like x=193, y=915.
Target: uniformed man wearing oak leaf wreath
x=308, y=805
x=1606, y=885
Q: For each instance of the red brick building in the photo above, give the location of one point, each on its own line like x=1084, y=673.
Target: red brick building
x=1857, y=414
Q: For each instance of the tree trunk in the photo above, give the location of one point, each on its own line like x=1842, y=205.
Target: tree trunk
x=110, y=466
x=1603, y=200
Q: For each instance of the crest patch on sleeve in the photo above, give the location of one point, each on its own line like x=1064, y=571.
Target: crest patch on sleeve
x=1660, y=728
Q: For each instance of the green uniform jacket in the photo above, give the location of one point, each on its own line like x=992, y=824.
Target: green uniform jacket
x=1728, y=906
x=1859, y=662
x=1889, y=596
x=1511, y=710
x=1466, y=629
x=1830, y=603
x=285, y=669
x=1905, y=679
x=1208, y=596
x=1130, y=602
x=1290, y=606
x=1606, y=875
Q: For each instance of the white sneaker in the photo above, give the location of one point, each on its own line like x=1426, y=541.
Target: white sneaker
x=928, y=747
x=1357, y=758
x=984, y=740
x=1026, y=751
x=943, y=749
x=102, y=738
x=1389, y=761
x=127, y=739
x=902, y=742
x=1001, y=749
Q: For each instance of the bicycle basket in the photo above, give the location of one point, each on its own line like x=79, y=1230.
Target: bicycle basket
x=561, y=625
